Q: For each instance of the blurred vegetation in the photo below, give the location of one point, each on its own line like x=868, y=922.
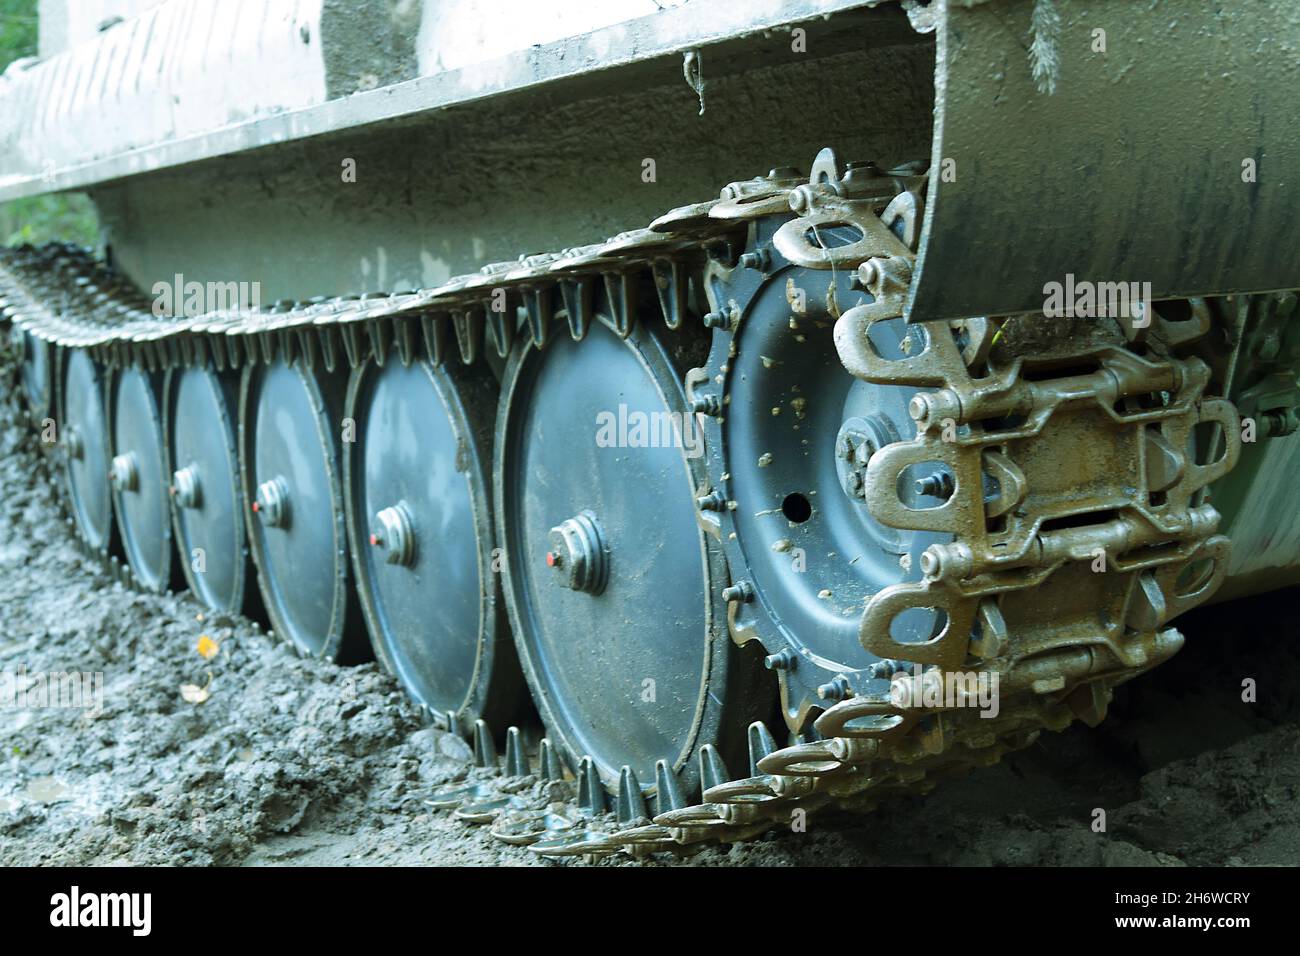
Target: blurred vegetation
x=38, y=219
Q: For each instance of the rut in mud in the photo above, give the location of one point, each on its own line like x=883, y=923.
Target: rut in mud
x=297, y=761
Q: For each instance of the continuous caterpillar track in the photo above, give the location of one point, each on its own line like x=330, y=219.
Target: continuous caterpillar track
x=1074, y=517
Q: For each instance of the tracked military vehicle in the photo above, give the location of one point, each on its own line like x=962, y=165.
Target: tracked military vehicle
x=860, y=471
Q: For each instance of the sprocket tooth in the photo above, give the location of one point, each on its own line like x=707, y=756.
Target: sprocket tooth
x=485, y=749
x=761, y=743
x=668, y=792
x=516, y=755
x=538, y=307
x=576, y=293
x=548, y=759
x=591, y=792
x=712, y=769
x=468, y=324
x=631, y=801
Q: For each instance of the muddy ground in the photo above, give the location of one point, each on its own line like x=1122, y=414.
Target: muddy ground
x=290, y=761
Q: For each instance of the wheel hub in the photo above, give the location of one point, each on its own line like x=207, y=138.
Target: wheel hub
x=122, y=472
x=185, y=487
x=395, y=535
x=579, y=555
x=272, y=503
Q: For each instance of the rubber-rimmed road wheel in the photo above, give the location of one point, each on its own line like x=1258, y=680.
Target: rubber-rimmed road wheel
x=84, y=437
x=613, y=586
x=37, y=365
x=207, y=501
x=290, y=427
x=420, y=528
x=137, y=474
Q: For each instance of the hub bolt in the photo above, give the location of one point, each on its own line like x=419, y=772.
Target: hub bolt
x=711, y=502
x=272, y=504
x=185, y=487
x=887, y=668
x=707, y=405
x=785, y=660
x=741, y=591
x=73, y=443
x=395, y=535
x=835, y=689
x=122, y=472
x=579, y=555
x=937, y=484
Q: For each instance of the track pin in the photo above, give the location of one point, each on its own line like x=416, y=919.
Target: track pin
x=591, y=792
x=516, y=756
x=454, y=725
x=485, y=751
x=668, y=791
x=631, y=801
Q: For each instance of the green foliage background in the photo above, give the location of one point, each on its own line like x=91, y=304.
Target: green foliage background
x=37, y=219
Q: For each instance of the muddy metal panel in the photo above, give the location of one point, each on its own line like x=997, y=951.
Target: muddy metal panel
x=189, y=80
x=179, y=70
x=1120, y=164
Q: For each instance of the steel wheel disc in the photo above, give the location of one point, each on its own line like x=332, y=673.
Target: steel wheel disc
x=635, y=665
x=206, y=501
x=297, y=531
x=811, y=552
x=84, y=437
x=420, y=529
x=137, y=475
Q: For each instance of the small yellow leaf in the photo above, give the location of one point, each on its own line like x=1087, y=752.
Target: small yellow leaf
x=194, y=694
x=208, y=648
